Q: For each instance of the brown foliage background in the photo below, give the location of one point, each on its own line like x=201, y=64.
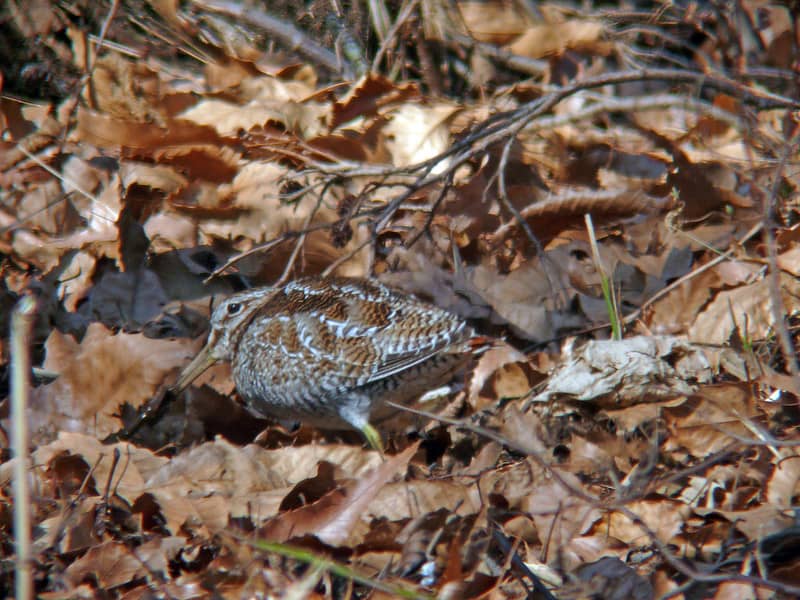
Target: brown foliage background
x=158, y=155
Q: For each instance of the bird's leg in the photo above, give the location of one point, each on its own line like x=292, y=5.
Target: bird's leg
x=356, y=413
x=373, y=438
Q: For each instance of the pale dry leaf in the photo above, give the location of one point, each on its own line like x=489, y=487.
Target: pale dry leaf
x=755, y=523
x=587, y=457
x=168, y=230
x=513, y=482
x=243, y=482
x=44, y=207
x=493, y=22
x=360, y=496
x=256, y=192
x=674, y=313
x=734, y=272
x=539, y=41
x=521, y=298
x=72, y=531
x=610, y=578
x=155, y=177
x=627, y=419
x=409, y=499
x=497, y=357
x=114, y=563
x=138, y=464
x=783, y=485
x=735, y=590
x=525, y=429
x=125, y=89
x=663, y=516
x=416, y=133
x=744, y=311
x=706, y=422
x=76, y=279
x=789, y=260
x=306, y=120
x=614, y=373
x=563, y=518
x=83, y=176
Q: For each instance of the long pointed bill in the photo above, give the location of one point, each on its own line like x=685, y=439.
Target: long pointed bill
x=193, y=370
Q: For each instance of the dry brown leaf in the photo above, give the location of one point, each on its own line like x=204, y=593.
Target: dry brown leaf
x=783, y=485
x=156, y=177
x=114, y=564
x=789, y=261
x=563, y=518
x=125, y=89
x=223, y=480
x=494, y=22
x=341, y=515
x=406, y=500
x=744, y=311
x=140, y=463
x=755, y=523
x=539, y=41
x=706, y=422
x=503, y=382
x=98, y=376
x=664, y=517
x=522, y=298
x=306, y=120
x=369, y=97
x=105, y=131
x=674, y=313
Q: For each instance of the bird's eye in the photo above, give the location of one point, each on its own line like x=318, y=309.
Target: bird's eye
x=234, y=308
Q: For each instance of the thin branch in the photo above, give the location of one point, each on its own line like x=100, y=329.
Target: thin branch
x=405, y=14
x=773, y=276
x=21, y=328
x=286, y=33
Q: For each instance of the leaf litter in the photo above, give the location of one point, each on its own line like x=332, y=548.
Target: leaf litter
x=178, y=158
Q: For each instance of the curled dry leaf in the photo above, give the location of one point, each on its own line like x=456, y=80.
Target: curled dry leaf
x=504, y=370
x=620, y=373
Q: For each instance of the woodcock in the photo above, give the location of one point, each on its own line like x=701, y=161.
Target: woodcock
x=330, y=351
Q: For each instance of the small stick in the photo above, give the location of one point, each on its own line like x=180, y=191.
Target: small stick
x=21, y=326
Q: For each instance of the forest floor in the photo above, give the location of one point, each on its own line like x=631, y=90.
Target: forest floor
x=610, y=195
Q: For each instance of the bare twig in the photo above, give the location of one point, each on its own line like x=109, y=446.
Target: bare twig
x=286, y=33
x=773, y=276
x=21, y=328
x=405, y=14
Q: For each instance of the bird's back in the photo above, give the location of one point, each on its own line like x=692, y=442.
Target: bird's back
x=316, y=342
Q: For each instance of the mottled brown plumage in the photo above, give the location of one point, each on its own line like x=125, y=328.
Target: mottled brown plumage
x=331, y=351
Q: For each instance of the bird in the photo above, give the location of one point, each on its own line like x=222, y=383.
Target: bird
x=332, y=351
